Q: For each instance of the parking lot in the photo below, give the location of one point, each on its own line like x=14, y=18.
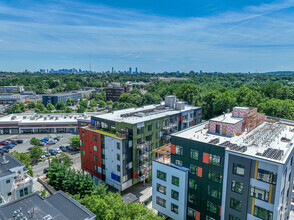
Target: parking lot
x=24, y=147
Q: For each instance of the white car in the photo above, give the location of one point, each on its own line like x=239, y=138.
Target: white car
x=52, y=142
x=58, y=150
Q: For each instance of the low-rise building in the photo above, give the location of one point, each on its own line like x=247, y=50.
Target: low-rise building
x=58, y=206
x=11, y=89
x=54, y=98
x=240, y=167
x=15, y=182
x=113, y=94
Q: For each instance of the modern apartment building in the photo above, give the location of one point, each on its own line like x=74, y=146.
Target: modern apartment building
x=117, y=147
x=11, y=89
x=54, y=98
x=240, y=167
x=113, y=94
x=15, y=182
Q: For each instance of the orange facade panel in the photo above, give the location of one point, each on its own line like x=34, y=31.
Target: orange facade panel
x=199, y=172
x=206, y=158
x=173, y=148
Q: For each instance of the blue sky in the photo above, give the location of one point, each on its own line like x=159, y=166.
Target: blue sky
x=153, y=35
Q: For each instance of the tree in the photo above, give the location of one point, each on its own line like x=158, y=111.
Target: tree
x=102, y=104
x=22, y=107
x=68, y=101
x=34, y=141
x=83, y=103
x=67, y=110
x=41, y=107
x=109, y=102
x=36, y=152
x=93, y=103
x=223, y=102
x=80, y=109
x=31, y=104
x=64, y=158
x=16, y=108
x=8, y=111
x=50, y=107
x=75, y=141
x=25, y=159
x=189, y=93
x=60, y=105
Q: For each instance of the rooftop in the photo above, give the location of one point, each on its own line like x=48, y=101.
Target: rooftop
x=7, y=164
x=58, y=206
x=51, y=118
x=142, y=114
x=271, y=140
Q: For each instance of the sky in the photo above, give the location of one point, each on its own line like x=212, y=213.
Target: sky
x=153, y=35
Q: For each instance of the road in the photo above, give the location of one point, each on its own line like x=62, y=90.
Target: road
x=38, y=168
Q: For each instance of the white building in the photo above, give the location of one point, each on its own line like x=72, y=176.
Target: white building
x=14, y=179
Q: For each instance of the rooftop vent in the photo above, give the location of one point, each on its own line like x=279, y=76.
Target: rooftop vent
x=47, y=217
x=13, y=117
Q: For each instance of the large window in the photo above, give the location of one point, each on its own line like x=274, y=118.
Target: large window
x=238, y=169
x=161, y=188
x=263, y=213
x=259, y=193
x=194, y=154
x=215, y=160
x=179, y=163
x=174, y=208
x=193, y=169
x=237, y=187
x=161, y=201
x=23, y=192
x=212, y=207
x=94, y=138
x=161, y=175
x=211, y=191
x=236, y=204
x=192, y=198
x=175, y=194
x=232, y=217
x=118, y=146
x=191, y=212
x=94, y=147
x=215, y=177
x=267, y=176
x=118, y=157
x=175, y=181
x=95, y=158
x=192, y=184
x=179, y=150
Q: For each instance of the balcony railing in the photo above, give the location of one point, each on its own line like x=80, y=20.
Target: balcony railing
x=142, y=177
x=144, y=156
x=188, y=120
x=142, y=146
x=27, y=181
x=144, y=168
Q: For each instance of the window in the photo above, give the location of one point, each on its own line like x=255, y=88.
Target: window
x=236, y=204
x=267, y=176
x=94, y=138
x=175, y=181
x=160, y=201
x=95, y=158
x=237, y=187
x=191, y=212
x=158, y=135
x=95, y=168
x=259, y=193
x=118, y=157
x=263, y=213
x=95, y=148
x=118, y=146
x=7, y=181
x=174, y=208
x=215, y=160
x=83, y=134
x=118, y=168
x=21, y=193
x=175, y=194
x=194, y=154
x=150, y=127
x=215, y=177
x=83, y=161
x=161, y=188
x=192, y=184
x=83, y=152
x=179, y=163
x=192, y=198
x=217, y=129
x=157, y=125
x=232, y=217
x=193, y=169
x=81, y=143
x=26, y=191
x=9, y=194
x=179, y=150
x=238, y=169
x=161, y=175
x=213, y=192
x=212, y=207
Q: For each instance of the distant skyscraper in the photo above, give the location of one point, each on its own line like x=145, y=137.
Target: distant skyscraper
x=130, y=70
x=112, y=70
x=136, y=69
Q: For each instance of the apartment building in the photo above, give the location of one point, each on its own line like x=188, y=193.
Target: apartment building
x=117, y=147
x=113, y=93
x=15, y=182
x=11, y=89
x=240, y=167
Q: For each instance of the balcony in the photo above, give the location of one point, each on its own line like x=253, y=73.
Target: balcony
x=143, y=146
x=144, y=168
x=23, y=182
x=170, y=126
x=142, y=177
x=188, y=120
x=166, y=137
x=143, y=157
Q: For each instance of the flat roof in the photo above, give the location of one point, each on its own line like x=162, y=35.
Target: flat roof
x=7, y=163
x=263, y=141
x=52, y=118
x=59, y=206
x=155, y=113
x=227, y=118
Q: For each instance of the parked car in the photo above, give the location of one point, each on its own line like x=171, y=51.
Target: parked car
x=14, y=142
x=58, y=150
x=47, y=154
x=5, y=150
x=52, y=152
x=63, y=148
x=44, y=140
x=42, y=143
x=8, y=146
x=3, y=143
x=19, y=141
x=52, y=142
x=69, y=147
x=46, y=170
x=57, y=139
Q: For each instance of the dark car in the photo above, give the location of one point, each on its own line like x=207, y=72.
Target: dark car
x=63, y=148
x=69, y=147
x=52, y=152
x=5, y=150
x=10, y=145
x=14, y=142
x=46, y=170
x=19, y=141
x=57, y=139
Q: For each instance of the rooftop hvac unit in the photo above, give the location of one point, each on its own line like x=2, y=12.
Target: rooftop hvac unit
x=45, y=118
x=13, y=117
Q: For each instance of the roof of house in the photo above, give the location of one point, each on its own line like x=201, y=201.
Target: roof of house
x=59, y=206
x=8, y=162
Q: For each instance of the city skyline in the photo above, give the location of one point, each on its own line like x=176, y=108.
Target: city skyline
x=251, y=36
